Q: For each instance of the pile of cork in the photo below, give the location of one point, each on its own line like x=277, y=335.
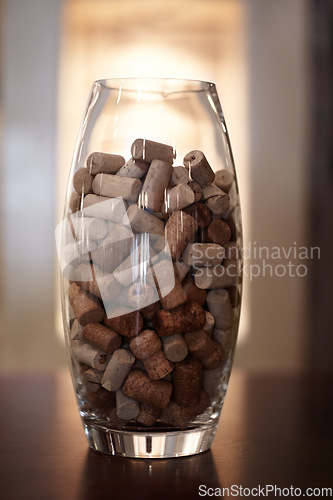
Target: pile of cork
x=149, y=341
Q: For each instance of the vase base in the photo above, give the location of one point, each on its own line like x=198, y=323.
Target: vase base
x=149, y=444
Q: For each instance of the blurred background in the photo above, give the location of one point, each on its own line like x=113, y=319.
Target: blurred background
x=272, y=63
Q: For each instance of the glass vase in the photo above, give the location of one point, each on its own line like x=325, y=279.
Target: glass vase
x=150, y=254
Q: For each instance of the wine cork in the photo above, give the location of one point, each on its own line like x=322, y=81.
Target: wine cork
x=231, y=251
x=146, y=344
x=142, y=221
x=134, y=169
x=200, y=213
x=216, y=200
x=180, y=416
x=148, y=415
x=233, y=269
x=141, y=295
x=156, y=393
x=218, y=204
x=218, y=232
x=87, y=228
x=179, y=230
x=156, y=181
x=89, y=355
x=229, y=211
x=147, y=151
x=113, y=186
x=203, y=254
x=82, y=181
x=117, y=369
x=179, y=176
x=224, y=180
x=220, y=307
x=126, y=322
x=202, y=347
x=147, y=347
x=175, y=298
x=210, y=323
x=231, y=223
x=197, y=190
x=70, y=314
x=199, y=168
x=161, y=275
x=106, y=163
x=127, y=408
x=215, y=277
x=177, y=198
x=108, y=286
x=181, y=269
x=85, y=278
x=92, y=379
x=76, y=331
x=158, y=366
x=136, y=266
x=95, y=281
x=121, y=300
x=217, y=358
x=159, y=243
x=224, y=338
x=101, y=337
x=111, y=209
x=87, y=308
x=175, y=348
x=234, y=295
x=77, y=253
x=84, y=247
x=75, y=201
x=102, y=400
x=194, y=294
x=211, y=380
x=185, y=318
x=129, y=270
x=149, y=311
x=187, y=378
x=113, y=249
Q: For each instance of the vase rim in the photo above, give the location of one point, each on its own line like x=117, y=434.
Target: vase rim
x=155, y=84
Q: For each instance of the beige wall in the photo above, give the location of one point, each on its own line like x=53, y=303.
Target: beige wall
x=279, y=131
x=255, y=51
x=28, y=173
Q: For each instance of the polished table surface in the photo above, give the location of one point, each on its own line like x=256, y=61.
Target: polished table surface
x=274, y=430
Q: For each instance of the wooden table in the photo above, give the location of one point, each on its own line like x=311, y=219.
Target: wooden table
x=275, y=430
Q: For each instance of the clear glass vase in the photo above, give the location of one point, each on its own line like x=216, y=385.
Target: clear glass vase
x=150, y=254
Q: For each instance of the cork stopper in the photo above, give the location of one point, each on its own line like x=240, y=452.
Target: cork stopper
x=179, y=230
x=187, y=378
x=204, y=348
x=200, y=213
x=102, y=337
x=86, y=307
x=156, y=393
x=82, y=181
x=148, y=415
x=158, y=366
x=180, y=416
x=146, y=344
x=185, y=318
x=128, y=324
